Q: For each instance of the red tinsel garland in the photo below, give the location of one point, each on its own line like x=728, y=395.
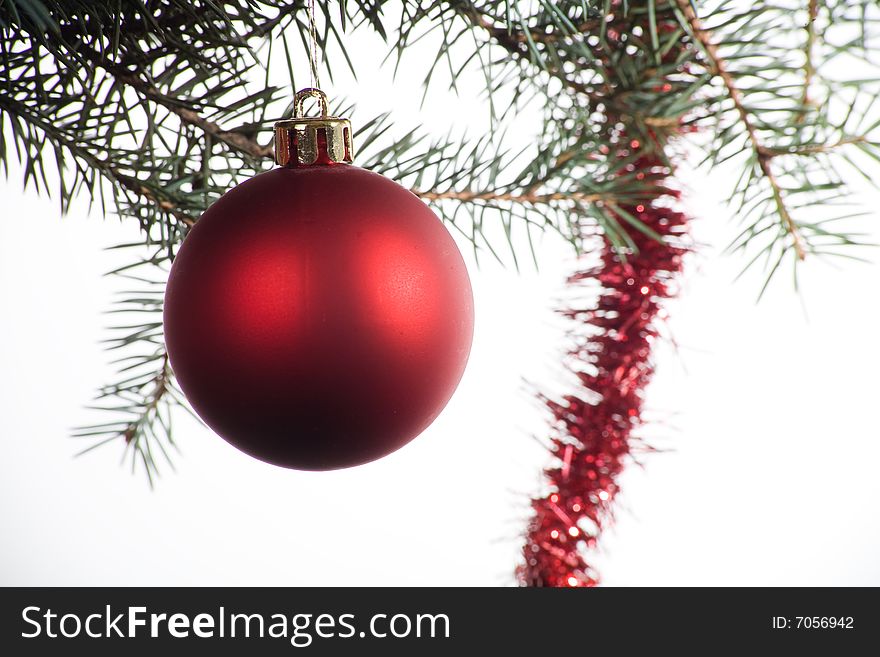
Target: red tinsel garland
x=594, y=429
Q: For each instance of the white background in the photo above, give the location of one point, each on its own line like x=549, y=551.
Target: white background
x=769, y=411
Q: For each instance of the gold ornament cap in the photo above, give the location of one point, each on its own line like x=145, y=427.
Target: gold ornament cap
x=307, y=140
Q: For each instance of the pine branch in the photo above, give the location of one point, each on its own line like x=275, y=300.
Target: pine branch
x=165, y=205
x=236, y=140
x=160, y=386
x=507, y=38
x=98, y=164
x=763, y=155
x=520, y=43
x=141, y=402
x=122, y=73
x=138, y=434
x=518, y=39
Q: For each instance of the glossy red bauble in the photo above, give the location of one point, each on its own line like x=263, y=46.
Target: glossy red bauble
x=318, y=317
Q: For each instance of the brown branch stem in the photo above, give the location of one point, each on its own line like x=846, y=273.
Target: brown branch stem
x=809, y=67
x=160, y=387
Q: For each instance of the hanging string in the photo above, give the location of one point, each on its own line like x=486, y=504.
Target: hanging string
x=313, y=54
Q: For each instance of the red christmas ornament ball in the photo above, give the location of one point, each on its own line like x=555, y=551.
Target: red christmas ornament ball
x=318, y=317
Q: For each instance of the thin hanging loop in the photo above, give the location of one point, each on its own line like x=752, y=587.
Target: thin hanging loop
x=300, y=98
x=313, y=50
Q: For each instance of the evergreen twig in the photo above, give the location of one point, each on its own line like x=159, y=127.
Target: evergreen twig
x=762, y=153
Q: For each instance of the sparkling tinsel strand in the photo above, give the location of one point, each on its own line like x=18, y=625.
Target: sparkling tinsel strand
x=595, y=430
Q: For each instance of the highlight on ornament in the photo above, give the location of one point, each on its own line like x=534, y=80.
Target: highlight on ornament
x=319, y=315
